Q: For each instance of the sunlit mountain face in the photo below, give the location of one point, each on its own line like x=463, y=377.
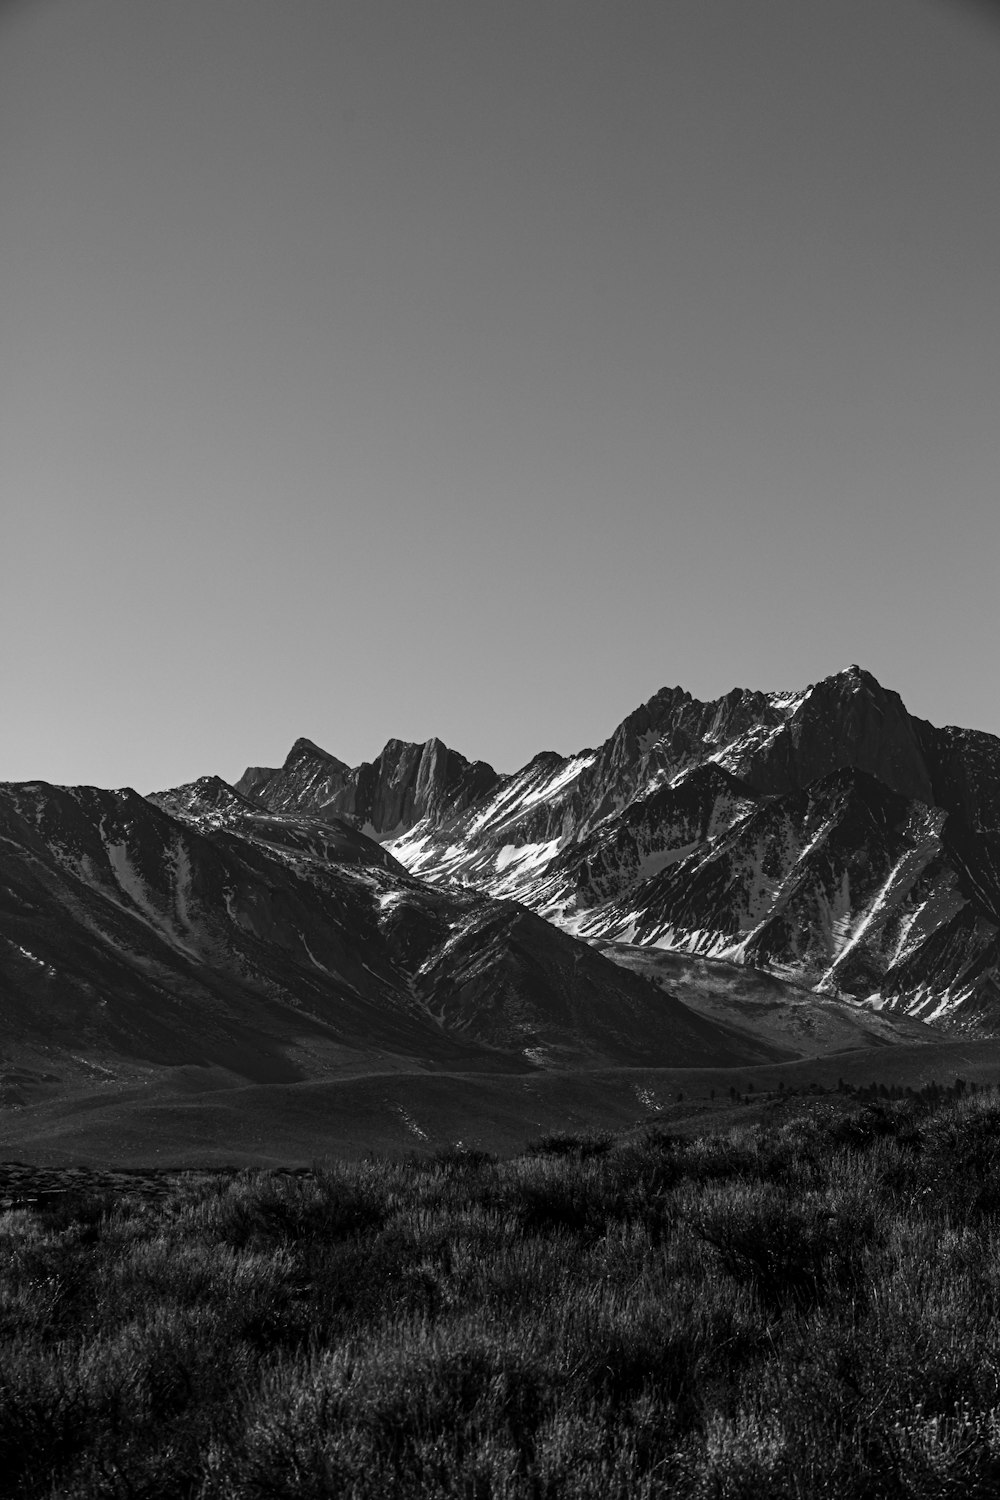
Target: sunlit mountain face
x=422, y=912
x=824, y=835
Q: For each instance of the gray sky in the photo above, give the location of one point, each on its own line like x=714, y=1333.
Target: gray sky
x=477, y=367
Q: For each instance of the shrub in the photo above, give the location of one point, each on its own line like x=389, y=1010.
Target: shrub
x=811, y=1309
x=560, y=1144
x=792, y=1253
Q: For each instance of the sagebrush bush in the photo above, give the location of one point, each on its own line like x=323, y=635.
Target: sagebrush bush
x=809, y=1309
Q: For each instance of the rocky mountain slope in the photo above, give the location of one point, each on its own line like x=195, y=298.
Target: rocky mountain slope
x=425, y=912
x=386, y=796
x=195, y=928
x=826, y=834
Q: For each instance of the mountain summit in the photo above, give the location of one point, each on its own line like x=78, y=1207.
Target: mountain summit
x=825, y=833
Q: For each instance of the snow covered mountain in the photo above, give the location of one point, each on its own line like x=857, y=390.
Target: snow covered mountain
x=426, y=912
x=824, y=834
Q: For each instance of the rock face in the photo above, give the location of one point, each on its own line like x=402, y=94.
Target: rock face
x=405, y=783
x=848, y=721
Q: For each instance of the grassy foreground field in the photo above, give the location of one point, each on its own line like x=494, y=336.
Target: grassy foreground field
x=808, y=1307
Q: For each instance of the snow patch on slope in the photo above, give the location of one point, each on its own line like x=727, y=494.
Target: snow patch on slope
x=175, y=926
x=525, y=857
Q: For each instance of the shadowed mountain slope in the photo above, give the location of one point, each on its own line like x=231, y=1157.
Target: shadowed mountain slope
x=196, y=929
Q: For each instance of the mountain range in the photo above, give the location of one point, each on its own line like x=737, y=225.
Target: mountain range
x=755, y=879
x=824, y=835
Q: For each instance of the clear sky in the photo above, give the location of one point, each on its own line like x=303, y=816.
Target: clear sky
x=477, y=367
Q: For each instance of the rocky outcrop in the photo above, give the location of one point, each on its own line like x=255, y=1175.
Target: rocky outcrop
x=653, y=832
x=964, y=770
x=386, y=796
x=408, y=782
x=848, y=720
x=311, y=780
x=209, y=794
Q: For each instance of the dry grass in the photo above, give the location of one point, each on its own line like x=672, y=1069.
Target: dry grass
x=806, y=1310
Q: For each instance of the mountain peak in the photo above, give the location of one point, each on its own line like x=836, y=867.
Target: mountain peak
x=855, y=679
x=207, y=794
x=304, y=749
x=395, y=747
